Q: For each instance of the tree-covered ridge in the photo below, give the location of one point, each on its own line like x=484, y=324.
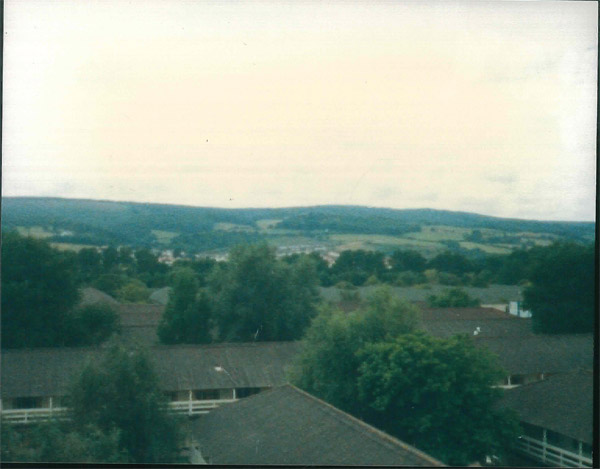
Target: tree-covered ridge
x=194, y=228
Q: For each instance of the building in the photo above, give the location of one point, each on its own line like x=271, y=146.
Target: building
x=196, y=378
x=556, y=418
x=477, y=322
x=515, y=308
x=288, y=426
x=532, y=358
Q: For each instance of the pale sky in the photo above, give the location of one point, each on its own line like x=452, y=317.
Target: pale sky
x=488, y=107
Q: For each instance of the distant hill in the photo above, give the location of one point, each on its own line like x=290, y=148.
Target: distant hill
x=91, y=222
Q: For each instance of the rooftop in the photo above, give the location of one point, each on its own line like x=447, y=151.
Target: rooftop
x=288, y=426
x=562, y=403
x=49, y=371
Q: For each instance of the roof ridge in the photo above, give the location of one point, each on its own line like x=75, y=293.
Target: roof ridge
x=371, y=431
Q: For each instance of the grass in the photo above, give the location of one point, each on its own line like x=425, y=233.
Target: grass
x=164, y=237
x=34, y=232
x=222, y=226
x=267, y=223
x=436, y=233
x=71, y=246
x=488, y=248
x=366, y=240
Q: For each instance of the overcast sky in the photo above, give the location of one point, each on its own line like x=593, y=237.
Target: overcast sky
x=487, y=107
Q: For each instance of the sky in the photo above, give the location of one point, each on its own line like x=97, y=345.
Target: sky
x=486, y=107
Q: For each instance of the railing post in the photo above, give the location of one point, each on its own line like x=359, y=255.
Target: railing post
x=234, y=393
x=544, y=443
x=580, y=452
x=190, y=402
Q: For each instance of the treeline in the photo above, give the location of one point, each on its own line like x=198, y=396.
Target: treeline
x=255, y=295
x=409, y=267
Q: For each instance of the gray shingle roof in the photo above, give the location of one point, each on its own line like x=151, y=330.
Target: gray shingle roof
x=288, y=426
x=90, y=296
x=48, y=372
x=446, y=322
x=541, y=353
x=562, y=403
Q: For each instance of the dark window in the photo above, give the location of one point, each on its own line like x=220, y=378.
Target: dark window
x=206, y=395
x=532, y=431
x=245, y=392
x=27, y=402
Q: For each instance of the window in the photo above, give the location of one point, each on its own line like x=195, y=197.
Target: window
x=207, y=395
x=245, y=392
x=27, y=402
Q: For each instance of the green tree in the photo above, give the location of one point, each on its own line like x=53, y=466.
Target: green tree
x=91, y=325
x=452, y=298
x=451, y=262
x=408, y=260
x=110, y=258
x=437, y=395
x=561, y=294
x=260, y=298
x=134, y=291
x=122, y=394
x=188, y=313
x=39, y=288
x=56, y=441
x=328, y=364
x=89, y=262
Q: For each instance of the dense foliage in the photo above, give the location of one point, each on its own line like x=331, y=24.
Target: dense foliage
x=39, y=296
x=452, y=298
x=435, y=394
x=258, y=297
x=328, y=365
x=187, y=316
x=561, y=294
x=121, y=396
x=58, y=442
x=39, y=289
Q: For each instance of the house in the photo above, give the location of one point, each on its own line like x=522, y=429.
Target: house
x=556, y=417
x=288, y=426
x=476, y=322
x=139, y=323
x=92, y=296
x=195, y=378
x=532, y=358
x=515, y=308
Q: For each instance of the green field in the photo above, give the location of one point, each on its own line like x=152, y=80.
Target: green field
x=488, y=248
x=71, y=246
x=164, y=237
x=35, y=232
x=370, y=241
x=232, y=227
x=438, y=233
x=267, y=223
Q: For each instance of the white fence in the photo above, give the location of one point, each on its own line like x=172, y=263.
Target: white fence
x=197, y=407
x=32, y=415
x=552, y=455
x=178, y=407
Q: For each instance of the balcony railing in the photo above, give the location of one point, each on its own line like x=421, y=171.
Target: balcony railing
x=197, y=407
x=552, y=455
x=190, y=408
x=32, y=415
